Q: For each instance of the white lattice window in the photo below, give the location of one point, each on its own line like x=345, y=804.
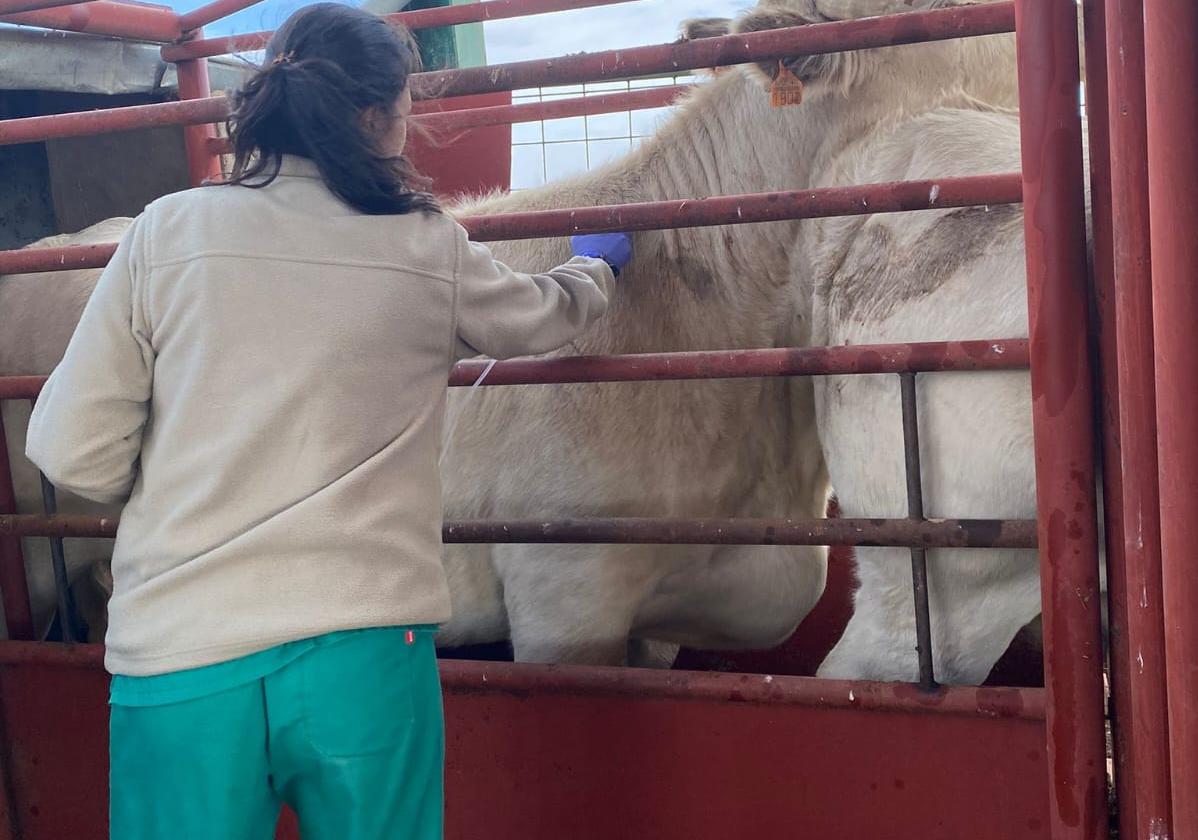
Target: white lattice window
x=549, y=150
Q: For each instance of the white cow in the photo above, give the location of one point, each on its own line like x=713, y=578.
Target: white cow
x=747, y=448
x=933, y=276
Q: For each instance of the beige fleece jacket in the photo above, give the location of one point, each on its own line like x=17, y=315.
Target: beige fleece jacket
x=261, y=375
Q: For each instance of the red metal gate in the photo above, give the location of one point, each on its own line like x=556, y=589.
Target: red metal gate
x=689, y=755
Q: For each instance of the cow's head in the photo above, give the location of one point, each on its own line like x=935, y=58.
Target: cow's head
x=788, y=78
x=814, y=75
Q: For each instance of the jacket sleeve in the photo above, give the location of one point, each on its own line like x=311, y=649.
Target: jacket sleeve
x=502, y=313
x=85, y=431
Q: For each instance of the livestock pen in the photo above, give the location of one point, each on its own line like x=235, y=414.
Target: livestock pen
x=553, y=751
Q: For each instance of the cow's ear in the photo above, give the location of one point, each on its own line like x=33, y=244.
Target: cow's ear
x=696, y=28
x=792, y=74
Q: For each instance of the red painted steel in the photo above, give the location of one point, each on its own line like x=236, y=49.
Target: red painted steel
x=659, y=215
x=106, y=17
x=540, y=752
x=215, y=109
x=532, y=111
x=193, y=85
x=940, y=533
x=1171, y=66
x=1062, y=407
x=927, y=357
x=417, y=19
x=108, y=120
x=211, y=12
x=1103, y=290
x=910, y=27
x=744, y=209
x=1139, y=667
x=772, y=45
x=1004, y=354
x=579, y=680
x=14, y=587
x=9, y=7
x=467, y=119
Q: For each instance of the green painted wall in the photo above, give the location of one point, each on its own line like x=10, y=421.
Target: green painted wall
x=450, y=46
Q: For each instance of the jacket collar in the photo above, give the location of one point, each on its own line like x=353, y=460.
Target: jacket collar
x=293, y=166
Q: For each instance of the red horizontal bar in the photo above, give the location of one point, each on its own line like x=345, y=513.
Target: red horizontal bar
x=896, y=197
x=216, y=109
x=525, y=678
x=21, y=387
x=10, y=7
x=206, y=14
x=1006, y=354
x=941, y=533
x=108, y=120
x=581, y=680
x=105, y=17
x=607, y=103
x=929, y=357
x=900, y=196
x=31, y=260
x=770, y=45
x=417, y=19
x=469, y=118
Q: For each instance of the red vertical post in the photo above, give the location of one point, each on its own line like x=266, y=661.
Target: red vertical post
x=1171, y=66
x=1102, y=276
x=1143, y=712
x=14, y=588
x=1062, y=408
x=193, y=84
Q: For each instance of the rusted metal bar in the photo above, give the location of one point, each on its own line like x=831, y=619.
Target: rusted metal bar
x=109, y=120
x=11, y=7
x=194, y=85
x=658, y=215
x=930, y=357
x=105, y=17
x=906, y=28
x=590, y=681
x=607, y=103
x=1103, y=292
x=14, y=587
x=214, y=109
x=416, y=19
x=1137, y=614
x=58, y=557
x=919, y=555
x=771, y=45
x=212, y=12
x=20, y=388
x=1005, y=354
x=1062, y=411
x=940, y=533
x=1171, y=66
x=762, y=207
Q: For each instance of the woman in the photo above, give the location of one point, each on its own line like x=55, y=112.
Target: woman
x=261, y=375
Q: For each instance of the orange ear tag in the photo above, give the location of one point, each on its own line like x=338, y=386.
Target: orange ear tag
x=787, y=88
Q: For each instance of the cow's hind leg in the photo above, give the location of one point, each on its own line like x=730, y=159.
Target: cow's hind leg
x=574, y=604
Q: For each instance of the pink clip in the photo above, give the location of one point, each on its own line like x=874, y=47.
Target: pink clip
x=410, y=637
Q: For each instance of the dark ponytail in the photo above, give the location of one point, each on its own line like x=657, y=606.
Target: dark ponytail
x=325, y=67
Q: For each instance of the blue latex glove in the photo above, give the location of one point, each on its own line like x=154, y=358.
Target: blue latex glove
x=615, y=249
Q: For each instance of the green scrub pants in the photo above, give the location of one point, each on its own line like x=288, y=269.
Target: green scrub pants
x=350, y=735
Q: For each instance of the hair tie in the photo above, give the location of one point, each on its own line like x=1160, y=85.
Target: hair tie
x=283, y=58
